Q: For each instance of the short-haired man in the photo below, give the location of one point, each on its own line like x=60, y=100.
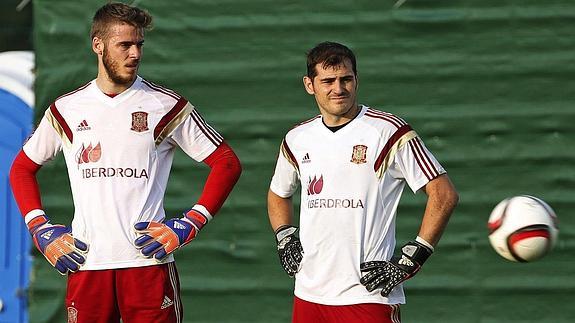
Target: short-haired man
x=353, y=162
x=118, y=134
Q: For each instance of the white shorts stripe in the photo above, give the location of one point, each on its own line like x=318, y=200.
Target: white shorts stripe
x=174, y=282
x=395, y=314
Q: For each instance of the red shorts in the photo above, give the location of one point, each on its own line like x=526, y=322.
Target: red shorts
x=307, y=312
x=141, y=294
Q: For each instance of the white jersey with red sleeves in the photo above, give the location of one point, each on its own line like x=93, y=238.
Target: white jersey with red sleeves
x=352, y=181
x=119, y=152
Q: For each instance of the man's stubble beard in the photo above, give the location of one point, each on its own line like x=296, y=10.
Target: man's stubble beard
x=112, y=68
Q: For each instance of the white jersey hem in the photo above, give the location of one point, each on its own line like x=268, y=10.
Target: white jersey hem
x=126, y=264
x=349, y=301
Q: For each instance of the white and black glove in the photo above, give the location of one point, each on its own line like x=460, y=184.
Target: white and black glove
x=290, y=250
x=388, y=274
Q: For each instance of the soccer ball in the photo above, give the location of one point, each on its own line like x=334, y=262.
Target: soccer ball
x=522, y=228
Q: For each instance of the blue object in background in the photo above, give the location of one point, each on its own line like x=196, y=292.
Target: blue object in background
x=15, y=260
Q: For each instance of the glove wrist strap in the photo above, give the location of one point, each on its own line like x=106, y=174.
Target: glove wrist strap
x=36, y=219
x=198, y=216
x=284, y=231
x=203, y=211
x=416, y=251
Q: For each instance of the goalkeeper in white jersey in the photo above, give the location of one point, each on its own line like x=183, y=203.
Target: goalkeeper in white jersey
x=352, y=162
x=118, y=134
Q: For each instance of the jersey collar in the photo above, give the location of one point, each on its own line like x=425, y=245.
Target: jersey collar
x=118, y=99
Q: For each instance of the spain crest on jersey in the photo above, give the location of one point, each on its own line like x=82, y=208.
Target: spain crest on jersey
x=359, y=154
x=139, y=121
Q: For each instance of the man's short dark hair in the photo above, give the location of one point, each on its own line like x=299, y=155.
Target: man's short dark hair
x=118, y=13
x=329, y=54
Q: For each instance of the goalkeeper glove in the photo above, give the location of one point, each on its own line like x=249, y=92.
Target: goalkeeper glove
x=158, y=240
x=56, y=243
x=388, y=274
x=290, y=250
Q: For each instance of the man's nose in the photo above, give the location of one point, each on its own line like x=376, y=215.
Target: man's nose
x=339, y=86
x=135, y=52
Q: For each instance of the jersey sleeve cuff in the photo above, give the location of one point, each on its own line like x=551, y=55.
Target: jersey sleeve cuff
x=415, y=187
x=279, y=192
x=37, y=160
x=205, y=153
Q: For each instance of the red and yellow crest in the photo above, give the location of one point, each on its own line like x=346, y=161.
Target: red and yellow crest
x=139, y=121
x=359, y=154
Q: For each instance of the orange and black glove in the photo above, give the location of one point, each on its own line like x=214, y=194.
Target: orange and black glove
x=56, y=243
x=159, y=239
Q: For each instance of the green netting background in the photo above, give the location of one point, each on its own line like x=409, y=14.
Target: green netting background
x=487, y=84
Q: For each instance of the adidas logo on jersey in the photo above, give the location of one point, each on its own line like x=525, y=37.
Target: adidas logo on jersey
x=83, y=126
x=167, y=302
x=306, y=159
x=178, y=225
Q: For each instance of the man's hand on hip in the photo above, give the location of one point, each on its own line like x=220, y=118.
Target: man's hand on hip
x=61, y=249
x=159, y=239
x=388, y=274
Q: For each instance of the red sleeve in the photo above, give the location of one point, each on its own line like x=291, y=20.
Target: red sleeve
x=24, y=184
x=225, y=172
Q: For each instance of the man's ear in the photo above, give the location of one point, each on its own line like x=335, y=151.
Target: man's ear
x=97, y=45
x=308, y=85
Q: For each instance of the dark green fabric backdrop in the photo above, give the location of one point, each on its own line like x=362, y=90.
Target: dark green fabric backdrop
x=487, y=84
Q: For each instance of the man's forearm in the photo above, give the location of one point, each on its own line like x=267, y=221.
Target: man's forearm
x=442, y=199
x=280, y=210
x=24, y=184
x=224, y=173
